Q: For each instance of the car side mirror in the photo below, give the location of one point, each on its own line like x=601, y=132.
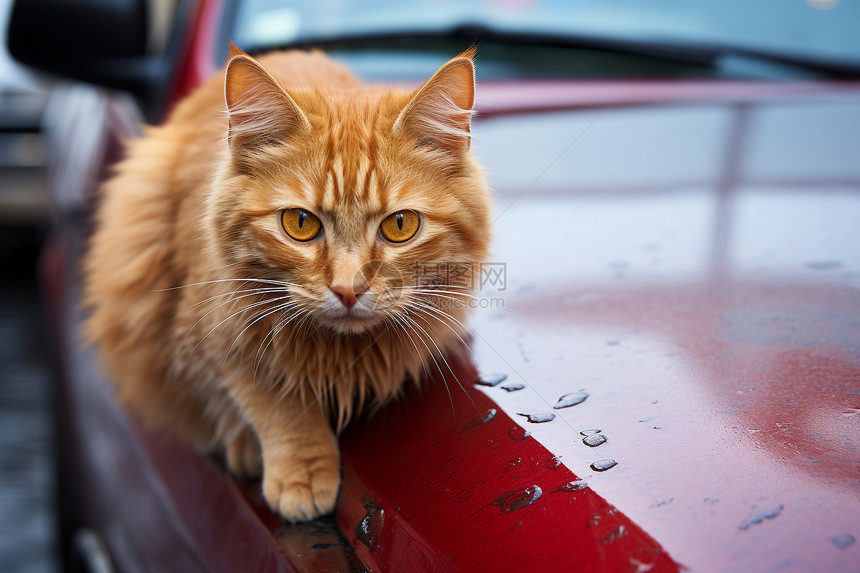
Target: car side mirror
x=103, y=42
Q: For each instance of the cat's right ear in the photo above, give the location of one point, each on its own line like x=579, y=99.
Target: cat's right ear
x=440, y=112
x=261, y=112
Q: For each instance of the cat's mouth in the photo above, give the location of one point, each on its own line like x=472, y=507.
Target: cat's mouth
x=351, y=321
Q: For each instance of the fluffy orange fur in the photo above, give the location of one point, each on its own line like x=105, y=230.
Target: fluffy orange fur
x=213, y=321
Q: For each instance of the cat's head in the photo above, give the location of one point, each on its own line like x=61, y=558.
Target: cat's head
x=362, y=199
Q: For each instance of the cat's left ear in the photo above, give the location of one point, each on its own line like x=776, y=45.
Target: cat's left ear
x=440, y=112
x=261, y=112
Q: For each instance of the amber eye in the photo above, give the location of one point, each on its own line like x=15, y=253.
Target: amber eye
x=400, y=226
x=300, y=224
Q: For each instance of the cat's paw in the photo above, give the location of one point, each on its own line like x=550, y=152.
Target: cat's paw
x=302, y=489
x=243, y=455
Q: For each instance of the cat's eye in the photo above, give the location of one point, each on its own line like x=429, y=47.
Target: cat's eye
x=300, y=224
x=400, y=226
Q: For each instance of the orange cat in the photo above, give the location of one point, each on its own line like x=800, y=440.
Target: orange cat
x=256, y=276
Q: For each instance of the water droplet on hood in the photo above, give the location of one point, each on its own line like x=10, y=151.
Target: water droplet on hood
x=552, y=463
x=594, y=440
x=478, y=420
x=538, y=417
x=571, y=399
x=515, y=499
x=620, y=531
x=759, y=516
x=603, y=465
x=512, y=465
x=370, y=525
x=518, y=434
x=513, y=387
x=491, y=379
x=575, y=485
x=842, y=541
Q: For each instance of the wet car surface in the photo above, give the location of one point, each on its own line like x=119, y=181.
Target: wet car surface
x=710, y=319
x=698, y=284
x=681, y=254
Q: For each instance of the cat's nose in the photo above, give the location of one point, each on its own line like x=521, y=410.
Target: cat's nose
x=347, y=294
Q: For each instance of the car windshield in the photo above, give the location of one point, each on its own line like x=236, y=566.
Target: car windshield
x=820, y=31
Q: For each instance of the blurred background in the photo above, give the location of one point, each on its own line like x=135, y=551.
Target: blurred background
x=27, y=517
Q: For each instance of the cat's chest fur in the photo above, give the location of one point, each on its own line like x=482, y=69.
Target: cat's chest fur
x=346, y=372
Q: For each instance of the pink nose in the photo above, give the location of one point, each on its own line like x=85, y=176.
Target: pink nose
x=346, y=294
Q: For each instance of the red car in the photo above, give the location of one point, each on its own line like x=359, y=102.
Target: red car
x=666, y=355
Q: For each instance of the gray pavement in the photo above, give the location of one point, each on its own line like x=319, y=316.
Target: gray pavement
x=27, y=522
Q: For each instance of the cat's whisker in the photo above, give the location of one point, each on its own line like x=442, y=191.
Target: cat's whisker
x=228, y=301
x=445, y=360
x=460, y=289
x=403, y=327
x=210, y=311
x=270, y=337
x=273, y=332
x=276, y=328
x=302, y=314
x=252, y=292
x=421, y=356
x=430, y=296
x=232, y=300
x=415, y=324
x=398, y=328
x=267, y=312
x=417, y=307
x=441, y=293
x=439, y=284
x=316, y=327
x=420, y=306
x=305, y=320
x=264, y=281
x=299, y=327
x=509, y=311
x=244, y=309
x=429, y=303
x=441, y=299
x=390, y=324
x=263, y=312
x=433, y=289
x=427, y=293
x=329, y=340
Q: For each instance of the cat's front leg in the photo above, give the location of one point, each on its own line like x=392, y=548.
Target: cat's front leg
x=301, y=461
x=242, y=453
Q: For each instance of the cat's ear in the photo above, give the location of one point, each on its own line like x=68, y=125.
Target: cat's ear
x=234, y=50
x=440, y=112
x=261, y=112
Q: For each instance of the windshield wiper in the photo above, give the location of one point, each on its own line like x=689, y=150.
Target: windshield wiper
x=697, y=54
x=832, y=68
x=478, y=34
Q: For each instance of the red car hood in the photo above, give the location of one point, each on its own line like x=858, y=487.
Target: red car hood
x=683, y=253
x=687, y=254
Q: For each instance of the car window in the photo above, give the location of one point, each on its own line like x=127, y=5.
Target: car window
x=821, y=31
